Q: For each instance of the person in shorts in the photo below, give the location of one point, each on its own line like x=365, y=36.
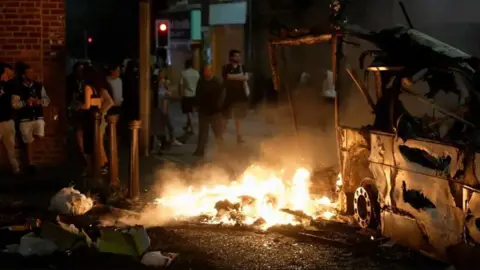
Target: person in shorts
x=236, y=96
x=188, y=85
x=7, y=125
x=29, y=100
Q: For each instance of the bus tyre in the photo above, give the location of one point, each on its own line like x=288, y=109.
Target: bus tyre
x=366, y=209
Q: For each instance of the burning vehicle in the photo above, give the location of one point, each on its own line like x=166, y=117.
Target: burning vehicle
x=416, y=180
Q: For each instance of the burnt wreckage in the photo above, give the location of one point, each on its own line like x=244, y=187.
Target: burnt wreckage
x=400, y=175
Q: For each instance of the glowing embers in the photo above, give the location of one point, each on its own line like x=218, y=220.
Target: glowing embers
x=262, y=198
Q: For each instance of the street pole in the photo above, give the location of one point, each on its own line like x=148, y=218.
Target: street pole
x=97, y=154
x=144, y=75
x=133, y=179
x=113, y=153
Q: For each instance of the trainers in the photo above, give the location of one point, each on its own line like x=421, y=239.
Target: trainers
x=104, y=170
x=176, y=143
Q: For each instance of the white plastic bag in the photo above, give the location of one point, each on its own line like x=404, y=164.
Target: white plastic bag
x=71, y=201
x=33, y=245
x=155, y=259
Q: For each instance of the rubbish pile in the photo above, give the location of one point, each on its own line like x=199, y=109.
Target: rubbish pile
x=43, y=238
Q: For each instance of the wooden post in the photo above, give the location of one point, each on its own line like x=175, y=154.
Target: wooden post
x=197, y=54
x=133, y=180
x=144, y=75
x=113, y=149
x=97, y=154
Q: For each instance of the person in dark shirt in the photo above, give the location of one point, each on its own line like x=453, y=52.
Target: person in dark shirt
x=209, y=98
x=29, y=100
x=7, y=125
x=237, y=92
x=75, y=87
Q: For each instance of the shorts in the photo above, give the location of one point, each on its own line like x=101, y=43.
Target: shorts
x=188, y=103
x=29, y=129
x=236, y=110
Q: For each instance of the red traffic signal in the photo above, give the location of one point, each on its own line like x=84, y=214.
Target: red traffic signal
x=89, y=40
x=162, y=27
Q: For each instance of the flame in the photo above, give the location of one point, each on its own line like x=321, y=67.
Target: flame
x=261, y=196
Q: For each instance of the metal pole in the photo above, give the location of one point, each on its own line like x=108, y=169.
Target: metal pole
x=97, y=154
x=113, y=153
x=336, y=60
x=133, y=180
x=289, y=96
x=144, y=75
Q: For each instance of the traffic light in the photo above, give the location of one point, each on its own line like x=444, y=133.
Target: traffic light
x=90, y=40
x=162, y=27
x=163, y=33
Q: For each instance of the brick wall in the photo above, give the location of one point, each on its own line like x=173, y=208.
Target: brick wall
x=33, y=31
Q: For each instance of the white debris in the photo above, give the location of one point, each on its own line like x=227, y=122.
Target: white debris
x=388, y=244
x=329, y=85
x=71, y=201
x=33, y=245
x=156, y=259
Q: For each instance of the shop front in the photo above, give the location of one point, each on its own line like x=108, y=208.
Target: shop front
x=226, y=31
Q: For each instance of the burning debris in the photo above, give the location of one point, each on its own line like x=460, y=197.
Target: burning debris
x=261, y=198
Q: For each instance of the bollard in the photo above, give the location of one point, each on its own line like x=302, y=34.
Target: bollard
x=133, y=180
x=113, y=149
x=97, y=154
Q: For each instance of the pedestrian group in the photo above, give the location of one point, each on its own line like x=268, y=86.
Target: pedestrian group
x=89, y=92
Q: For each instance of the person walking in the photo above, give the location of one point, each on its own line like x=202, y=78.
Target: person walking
x=210, y=96
x=187, y=86
x=29, y=99
x=7, y=125
x=237, y=93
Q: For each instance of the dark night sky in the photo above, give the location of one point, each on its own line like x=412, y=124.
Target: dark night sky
x=112, y=24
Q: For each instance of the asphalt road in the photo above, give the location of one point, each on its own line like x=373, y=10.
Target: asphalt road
x=229, y=248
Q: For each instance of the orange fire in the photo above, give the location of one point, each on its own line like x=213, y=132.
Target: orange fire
x=261, y=194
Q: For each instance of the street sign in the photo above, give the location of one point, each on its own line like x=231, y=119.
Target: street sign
x=180, y=26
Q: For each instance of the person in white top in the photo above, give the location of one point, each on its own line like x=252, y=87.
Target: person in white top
x=187, y=86
x=116, y=86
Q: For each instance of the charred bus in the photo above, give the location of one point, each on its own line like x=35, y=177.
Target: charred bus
x=415, y=180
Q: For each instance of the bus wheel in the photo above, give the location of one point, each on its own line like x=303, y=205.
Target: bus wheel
x=366, y=209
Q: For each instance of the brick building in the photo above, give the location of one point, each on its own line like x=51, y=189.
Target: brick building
x=33, y=31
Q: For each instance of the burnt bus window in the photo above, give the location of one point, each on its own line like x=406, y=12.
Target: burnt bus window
x=447, y=91
x=425, y=159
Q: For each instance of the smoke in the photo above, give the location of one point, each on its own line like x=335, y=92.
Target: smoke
x=277, y=148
